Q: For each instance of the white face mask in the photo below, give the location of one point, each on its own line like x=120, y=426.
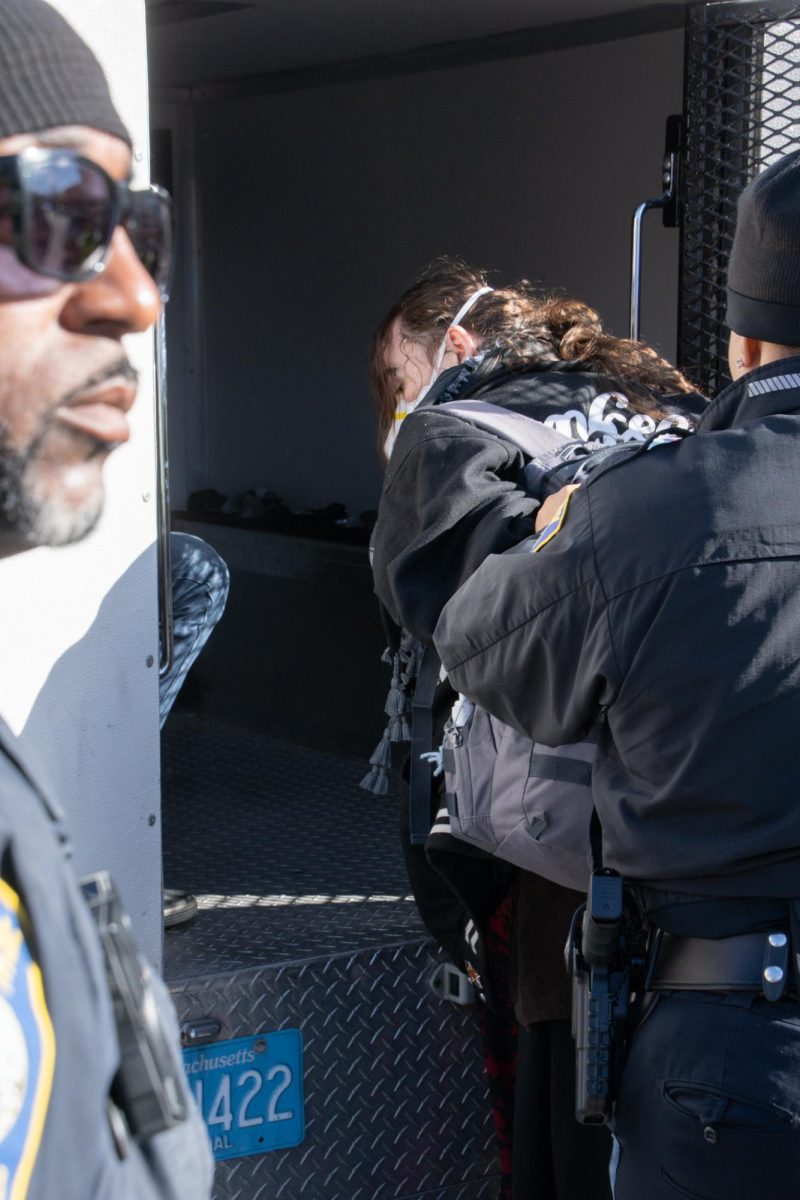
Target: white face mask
x=407, y=406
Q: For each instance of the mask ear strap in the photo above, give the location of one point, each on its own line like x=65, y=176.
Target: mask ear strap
x=462, y=312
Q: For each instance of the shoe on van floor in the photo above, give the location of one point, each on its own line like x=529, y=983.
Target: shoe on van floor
x=179, y=907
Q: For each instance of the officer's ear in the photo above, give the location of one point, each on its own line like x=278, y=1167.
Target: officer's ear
x=744, y=354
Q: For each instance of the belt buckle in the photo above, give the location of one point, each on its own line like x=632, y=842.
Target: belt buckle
x=776, y=966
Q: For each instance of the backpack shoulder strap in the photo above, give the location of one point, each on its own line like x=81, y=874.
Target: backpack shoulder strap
x=529, y=435
x=419, y=785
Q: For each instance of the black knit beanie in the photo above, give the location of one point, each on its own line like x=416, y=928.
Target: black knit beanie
x=48, y=75
x=764, y=267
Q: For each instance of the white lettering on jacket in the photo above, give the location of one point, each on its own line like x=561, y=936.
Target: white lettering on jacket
x=610, y=420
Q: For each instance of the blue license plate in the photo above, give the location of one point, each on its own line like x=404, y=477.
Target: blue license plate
x=250, y=1092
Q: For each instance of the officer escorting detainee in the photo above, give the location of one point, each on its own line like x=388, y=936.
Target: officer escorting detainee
x=683, y=636
x=81, y=259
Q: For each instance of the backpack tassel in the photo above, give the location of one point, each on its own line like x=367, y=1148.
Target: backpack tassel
x=397, y=702
x=377, y=778
x=398, y=728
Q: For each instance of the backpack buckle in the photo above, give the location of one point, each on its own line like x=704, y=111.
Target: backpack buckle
x=449, y=983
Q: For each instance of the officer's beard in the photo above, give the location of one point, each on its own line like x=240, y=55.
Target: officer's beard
x=35, y=505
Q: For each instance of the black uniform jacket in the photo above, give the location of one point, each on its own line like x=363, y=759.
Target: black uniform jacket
x=453, y=493
x=669, y=602
x=59, y=1051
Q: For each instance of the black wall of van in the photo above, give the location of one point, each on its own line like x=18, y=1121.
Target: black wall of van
x=306, y=210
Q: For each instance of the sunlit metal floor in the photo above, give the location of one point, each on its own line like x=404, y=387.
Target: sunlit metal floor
x=305, y=922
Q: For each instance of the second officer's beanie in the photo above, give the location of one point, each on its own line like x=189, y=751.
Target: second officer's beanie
x=764, y=267
x=48, y=75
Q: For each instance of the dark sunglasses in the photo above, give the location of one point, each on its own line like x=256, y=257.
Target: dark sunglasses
x=59, y=211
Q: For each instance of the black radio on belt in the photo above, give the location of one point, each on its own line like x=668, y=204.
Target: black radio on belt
x=605, y=951
x=147, y=1087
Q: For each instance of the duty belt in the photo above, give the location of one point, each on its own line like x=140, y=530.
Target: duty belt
x=748, y=962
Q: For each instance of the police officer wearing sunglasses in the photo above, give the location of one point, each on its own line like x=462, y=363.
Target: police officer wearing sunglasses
x=93, y=1103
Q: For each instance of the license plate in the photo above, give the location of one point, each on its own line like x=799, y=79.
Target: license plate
x=250, y=1092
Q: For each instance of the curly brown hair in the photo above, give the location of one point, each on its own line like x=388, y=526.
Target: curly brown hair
x=524, y=329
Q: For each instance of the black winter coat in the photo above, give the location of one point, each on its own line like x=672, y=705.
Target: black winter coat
x=669, y=603
x=453, y=494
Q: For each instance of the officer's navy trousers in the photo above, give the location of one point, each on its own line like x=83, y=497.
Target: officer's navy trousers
x=709, y=1102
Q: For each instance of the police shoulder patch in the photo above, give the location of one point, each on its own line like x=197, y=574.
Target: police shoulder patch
x=553, y=525
x=27, y=1054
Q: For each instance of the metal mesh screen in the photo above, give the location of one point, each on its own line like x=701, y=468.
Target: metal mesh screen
x=742, y=109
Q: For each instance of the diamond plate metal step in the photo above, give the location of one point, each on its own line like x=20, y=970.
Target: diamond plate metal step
x=305, y=922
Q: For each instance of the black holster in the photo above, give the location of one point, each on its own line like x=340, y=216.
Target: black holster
x=605, y=954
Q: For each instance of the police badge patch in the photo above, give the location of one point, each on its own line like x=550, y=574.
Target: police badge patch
x=28, y=1057
x=553, y=526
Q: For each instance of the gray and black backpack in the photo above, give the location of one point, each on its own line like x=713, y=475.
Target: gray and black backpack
x=507, y=797
x=527, y=804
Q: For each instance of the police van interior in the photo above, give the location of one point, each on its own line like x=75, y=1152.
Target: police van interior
x=320, y=156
